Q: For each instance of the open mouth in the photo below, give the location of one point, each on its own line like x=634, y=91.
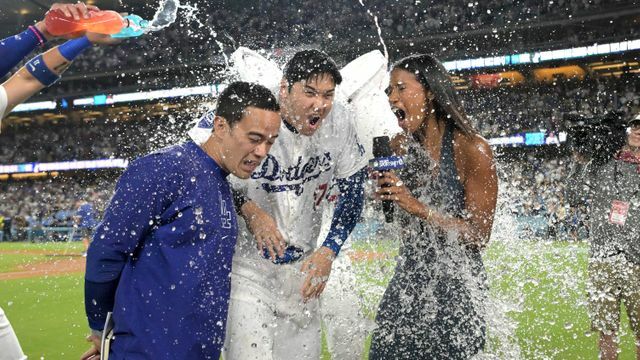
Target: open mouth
x=314, y=120
x=400, y=114
x=250, y=164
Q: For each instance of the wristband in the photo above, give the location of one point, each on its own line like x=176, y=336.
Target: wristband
x=40, y=71
x=72, y=48
x=38, y=34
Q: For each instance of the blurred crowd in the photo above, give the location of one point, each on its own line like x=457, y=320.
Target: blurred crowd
x=53, y=141
x=218, y=27
x=31, y=205
x=549, y=106
x=533, y=192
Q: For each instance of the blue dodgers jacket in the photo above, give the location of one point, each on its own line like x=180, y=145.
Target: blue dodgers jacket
x=161, y=258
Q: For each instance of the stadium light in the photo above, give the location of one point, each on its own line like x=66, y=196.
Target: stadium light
x=35, y=106
x=542, y=56
x=64, y=166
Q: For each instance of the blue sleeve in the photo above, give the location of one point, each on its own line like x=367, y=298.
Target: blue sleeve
x=347, y=211
x=141, y=196
x=15, y=48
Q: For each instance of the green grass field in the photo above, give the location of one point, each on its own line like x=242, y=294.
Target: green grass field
x=539, y=287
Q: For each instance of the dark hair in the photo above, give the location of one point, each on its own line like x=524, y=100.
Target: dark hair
x=434, y=77
x=240, y=95
x=307, y=64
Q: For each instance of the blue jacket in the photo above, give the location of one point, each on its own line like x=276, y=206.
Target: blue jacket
x=161, y=258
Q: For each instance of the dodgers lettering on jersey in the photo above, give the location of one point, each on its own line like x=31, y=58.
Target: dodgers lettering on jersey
x=295, y=176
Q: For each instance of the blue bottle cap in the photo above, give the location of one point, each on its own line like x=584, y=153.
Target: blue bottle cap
x=137, y=27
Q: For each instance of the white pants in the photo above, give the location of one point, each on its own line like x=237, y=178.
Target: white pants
x=267, y=317
x=9, y=346
x=269, y=321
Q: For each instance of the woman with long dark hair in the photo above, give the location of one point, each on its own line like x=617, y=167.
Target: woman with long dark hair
x=433, y=307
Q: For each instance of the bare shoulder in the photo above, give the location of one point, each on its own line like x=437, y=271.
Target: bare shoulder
x=473, y=149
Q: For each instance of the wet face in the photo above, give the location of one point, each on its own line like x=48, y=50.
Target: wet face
x=308, y=102
x=246, y=144
x=408, y=100
x=634, y=135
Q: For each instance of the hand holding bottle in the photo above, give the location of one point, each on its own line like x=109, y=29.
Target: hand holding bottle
x=105, y=22
x=76, y=11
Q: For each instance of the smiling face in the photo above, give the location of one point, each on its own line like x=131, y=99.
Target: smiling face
x=308, y=102
x=242, y=148
x=408, y=100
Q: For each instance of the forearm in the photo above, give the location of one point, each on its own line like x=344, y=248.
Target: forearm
x=99, y=299
x=347, y=211
x=15, y=48
x=103, y=269
x=468, y=232
x=42, y=71
x=248, y=209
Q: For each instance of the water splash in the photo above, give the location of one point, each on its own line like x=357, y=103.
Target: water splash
x=166, y=15
x=375, y=21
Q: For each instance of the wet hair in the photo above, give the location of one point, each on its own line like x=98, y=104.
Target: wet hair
x=240, y=95
x=433, y=76
x=307, y=64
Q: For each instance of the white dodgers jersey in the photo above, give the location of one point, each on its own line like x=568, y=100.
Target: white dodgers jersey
x=293, y=181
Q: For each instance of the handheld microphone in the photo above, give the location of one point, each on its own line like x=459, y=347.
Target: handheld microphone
x=385, y=161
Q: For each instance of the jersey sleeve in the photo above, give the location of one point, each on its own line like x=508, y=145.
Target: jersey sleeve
x=141, y=195
x=352, y=157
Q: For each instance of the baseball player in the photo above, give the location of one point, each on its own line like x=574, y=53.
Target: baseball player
x=278, y=276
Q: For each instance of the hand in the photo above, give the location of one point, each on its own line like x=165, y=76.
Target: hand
x=94, y=352
x=76, y=11
x=317, y=267
x=102, y=39
x=396, y=191
x=264, y=228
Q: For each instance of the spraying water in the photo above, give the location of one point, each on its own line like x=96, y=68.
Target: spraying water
x=375, y=21
x=165, y=16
